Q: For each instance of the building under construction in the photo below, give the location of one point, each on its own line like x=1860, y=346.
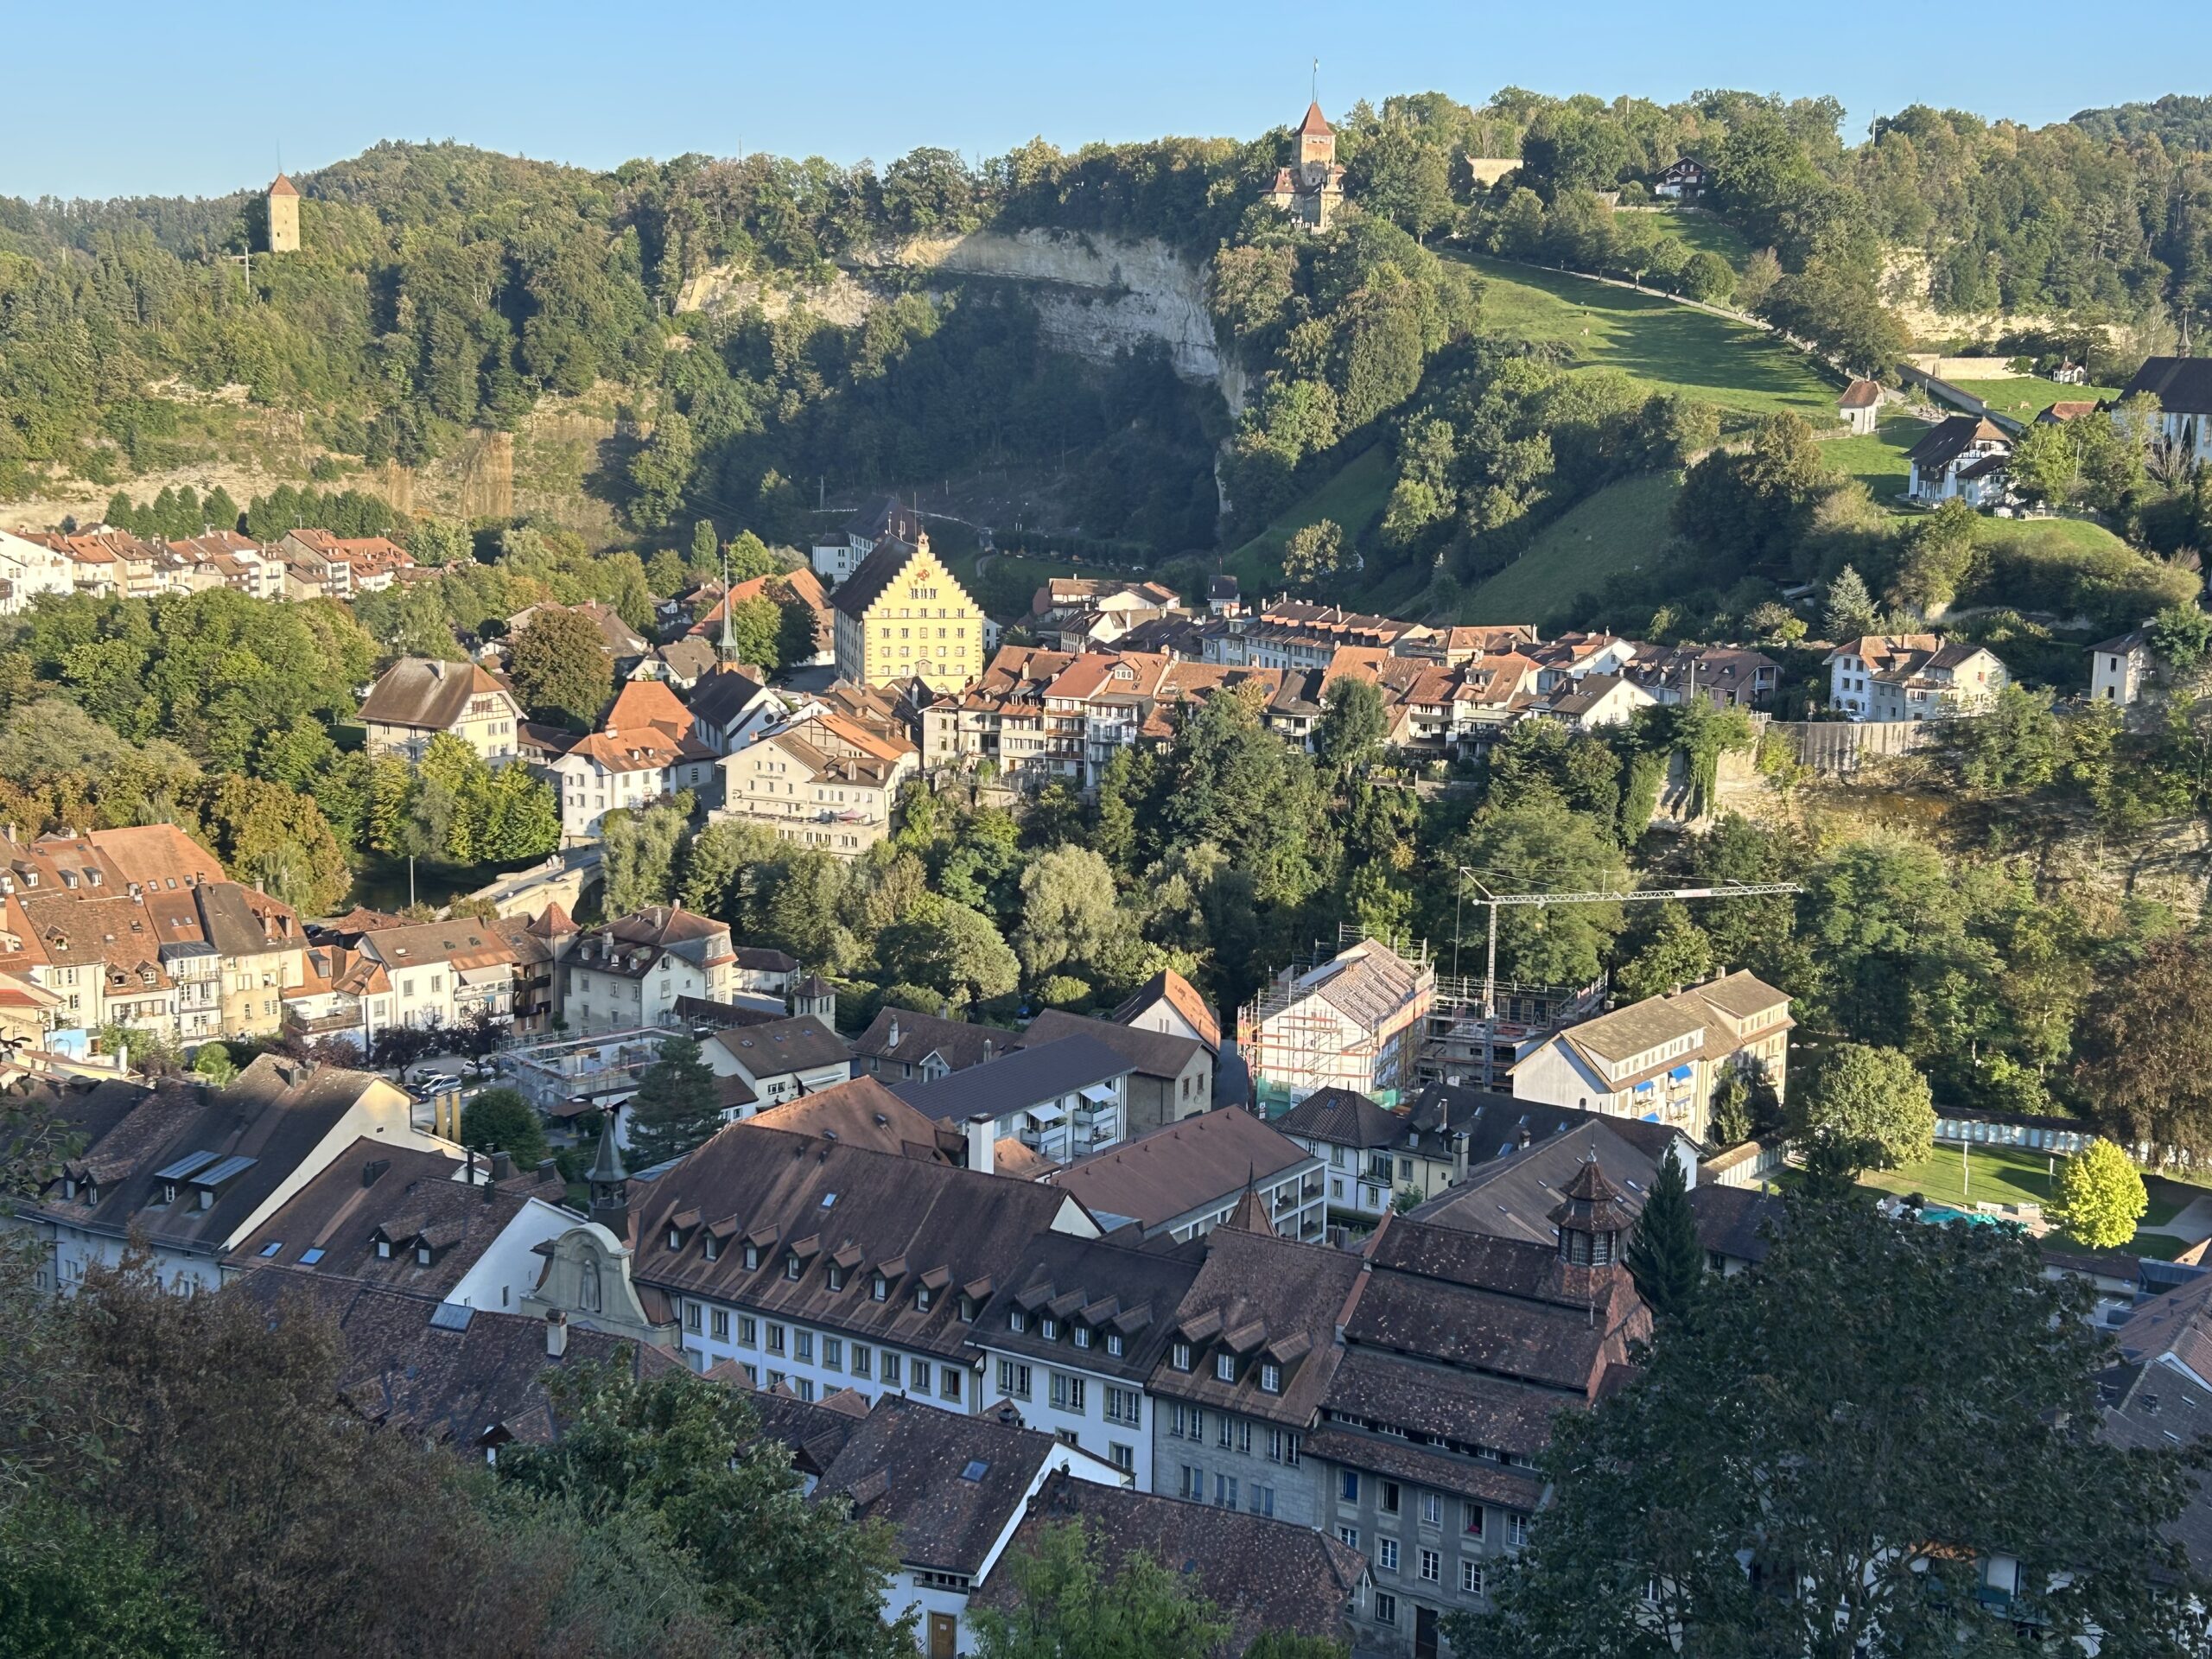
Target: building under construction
x=1355, y=1020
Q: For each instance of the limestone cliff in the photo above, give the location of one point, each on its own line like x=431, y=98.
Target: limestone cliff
x=1094, y=296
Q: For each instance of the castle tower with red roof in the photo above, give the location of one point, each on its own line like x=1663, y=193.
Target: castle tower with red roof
x=1312, y=190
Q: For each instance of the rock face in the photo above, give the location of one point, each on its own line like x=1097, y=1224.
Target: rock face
x=1094, y=296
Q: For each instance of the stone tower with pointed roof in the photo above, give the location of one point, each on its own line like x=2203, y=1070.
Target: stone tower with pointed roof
x=1311, y=190
x=284, y=216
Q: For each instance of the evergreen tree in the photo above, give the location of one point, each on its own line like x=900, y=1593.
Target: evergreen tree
x=674, y=1108
x=1664, y=1256
x=1851, y=608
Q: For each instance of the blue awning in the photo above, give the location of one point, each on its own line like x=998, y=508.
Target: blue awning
x=1651, y=1117
x=1645, y=1087
x=1679, y=1073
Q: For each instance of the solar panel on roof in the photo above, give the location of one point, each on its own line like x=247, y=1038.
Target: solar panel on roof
x=452, y=1316
x=229, y=1168
x=185, y=1166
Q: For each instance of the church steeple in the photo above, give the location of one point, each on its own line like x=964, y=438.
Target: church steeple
x=609, y=1182
x=1592, y=1218
x=726, y=648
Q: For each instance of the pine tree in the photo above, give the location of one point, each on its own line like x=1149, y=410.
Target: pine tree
x=1851, y=608
x=674, y=1108
x=1664, y=1256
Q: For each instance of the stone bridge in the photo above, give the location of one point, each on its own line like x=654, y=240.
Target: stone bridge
x=561, y=879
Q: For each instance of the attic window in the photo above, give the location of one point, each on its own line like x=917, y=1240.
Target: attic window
x=311, y=1257
x=714, y=1247
x=422, y=1255
x=675, y=1238
x=836, y=1277
x=976, y=1470
x=752, y=1255
x=1114, y=1343
x=271, y=1248
x=1182, y=1358
x=1270, y=1377
x=1082, y=1336
x=1016, y=1319
x=793, y=1265
x=384, y=1249
x=922, y=1297
x=882, y=1288
x=1224, y=1367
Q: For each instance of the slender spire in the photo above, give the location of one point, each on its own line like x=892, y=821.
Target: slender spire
x=609, y=1182
x=726, y=651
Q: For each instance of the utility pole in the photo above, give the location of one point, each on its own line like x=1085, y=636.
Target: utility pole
x=1607, y=895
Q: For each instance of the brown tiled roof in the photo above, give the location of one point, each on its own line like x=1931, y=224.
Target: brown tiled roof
x=1264, y=1575
x=1168, y=1172
x=157, y=855
x=798, y=1044
x=1860, y=394
x=1172, y=988
x=1733, y=1220
x=1153, y=1054
x=958, y=1042
x=284, y=187
x=903, y=1215
x=1344, y=1117
x=402, y=1191
x=427, y=695
x=1296, y=1294
x=1096, y=1284
x=273, y=1115
x=858, y=592
x=481, y=1383
x=861, y=1113
x=2183, y=385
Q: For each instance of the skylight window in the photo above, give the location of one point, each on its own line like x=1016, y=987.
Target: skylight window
x=310, y=1258
x=975, y=1470
x=273, y=1248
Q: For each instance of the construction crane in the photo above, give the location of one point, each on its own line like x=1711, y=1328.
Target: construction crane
x=1605, y=895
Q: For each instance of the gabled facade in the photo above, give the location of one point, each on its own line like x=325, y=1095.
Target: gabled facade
x=1354, y=1022
x=632, y=972
x=1962, y=458
x=902, y=616
x=1912, y=677
x=416, y=698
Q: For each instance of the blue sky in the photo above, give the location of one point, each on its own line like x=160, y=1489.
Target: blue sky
x=132, y=97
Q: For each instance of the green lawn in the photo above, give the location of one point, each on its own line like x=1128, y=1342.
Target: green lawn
x=1617, y=530
x=1669, y=347
x=1877, y=459
x=1352, y=497
x=2003, y=1175
x=1705, y=234
x=2025, y=397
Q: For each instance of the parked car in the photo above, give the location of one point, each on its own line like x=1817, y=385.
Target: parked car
x=438, y=1082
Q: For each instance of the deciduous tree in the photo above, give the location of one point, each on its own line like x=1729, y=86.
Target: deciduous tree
x=1872, y=1101
x=560, y=668
x=2101, y=1195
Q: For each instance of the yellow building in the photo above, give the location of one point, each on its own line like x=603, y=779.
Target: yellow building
x=901, y=614
x=284, y=216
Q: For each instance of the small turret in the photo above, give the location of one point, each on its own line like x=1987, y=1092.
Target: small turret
x=1592, y=1219
x=609, y=1182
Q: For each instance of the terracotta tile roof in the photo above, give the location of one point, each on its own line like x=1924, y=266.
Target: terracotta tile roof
x=284, y=187
x=863, y=1113
x=1179, y=993
x=1860, y=394
x=959, y=1043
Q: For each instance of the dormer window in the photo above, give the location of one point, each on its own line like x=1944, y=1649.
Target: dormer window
x=752, y=1255
x=714, y=1247
x=881, y=1290
x=1182, y=1356
x=1224, y=1367
x=793, y=1265
x=1017, y=1320
x=422, y=1255
x=1270, y=1377
x=384, y=1249
x=1082, y=1336
x=1049, y=1329
x=922, y=1298
x=1114, y=1343
x=675, y=1238
x=836, y=1277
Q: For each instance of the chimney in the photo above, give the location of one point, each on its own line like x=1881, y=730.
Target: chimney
x=372, y=1171
x=499, y=1167
x=944, y=1010
x=1521, y=1138
x=1458, y=1157
x=892, y=1036
x=982, y=1143
x=556, y=1334
x=990, y=1050
x=471, y=1176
